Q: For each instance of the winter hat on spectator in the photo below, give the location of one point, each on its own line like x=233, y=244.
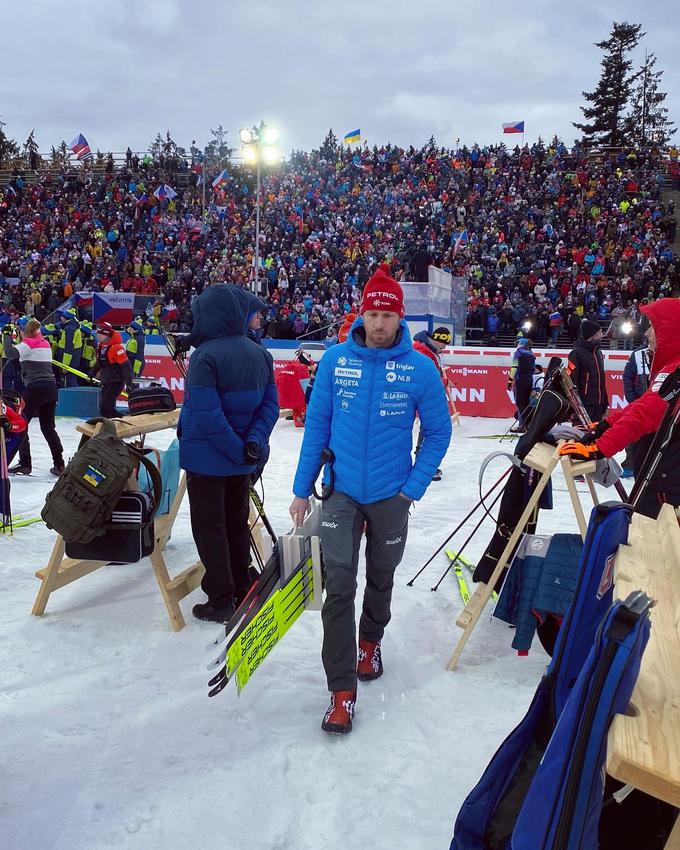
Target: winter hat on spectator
x=442, y=335
x=588, y=328
x=382, y=292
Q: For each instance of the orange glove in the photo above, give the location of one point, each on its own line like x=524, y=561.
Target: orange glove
x=580, y=451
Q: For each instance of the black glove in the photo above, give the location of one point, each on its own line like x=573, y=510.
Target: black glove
x=595, y=432
x=4, y=423
x=252, y=452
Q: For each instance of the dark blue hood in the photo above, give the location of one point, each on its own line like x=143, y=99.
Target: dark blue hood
x=222, y=310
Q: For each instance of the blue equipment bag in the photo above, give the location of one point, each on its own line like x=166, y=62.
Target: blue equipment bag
x=487, y=817
x=561, y=810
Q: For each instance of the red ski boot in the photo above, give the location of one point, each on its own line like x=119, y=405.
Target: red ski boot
x=369, y=664
x=338, y=717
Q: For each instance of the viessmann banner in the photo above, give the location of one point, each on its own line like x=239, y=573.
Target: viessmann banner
x=479, y=387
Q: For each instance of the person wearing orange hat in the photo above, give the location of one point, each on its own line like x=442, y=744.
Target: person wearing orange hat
x=350, y=318
x=367, y=394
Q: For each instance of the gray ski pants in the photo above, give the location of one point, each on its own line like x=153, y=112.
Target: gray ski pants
x=342, y=525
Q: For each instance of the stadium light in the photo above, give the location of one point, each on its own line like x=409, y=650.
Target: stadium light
x=270, y=154
x=258, y=147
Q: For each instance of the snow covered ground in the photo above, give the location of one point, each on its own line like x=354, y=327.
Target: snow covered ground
x=109, y=739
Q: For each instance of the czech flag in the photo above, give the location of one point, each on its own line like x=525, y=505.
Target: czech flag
x=169, y=313
x=352, y=136
x=118, y=308
x=83, y=299
x=80, y=148
x=165, y=192
x=221, y=179
x=461, y=239
x=515, y=127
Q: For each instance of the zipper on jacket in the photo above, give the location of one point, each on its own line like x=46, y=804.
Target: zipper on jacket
x=599, y=380
x=368, y=422
x=587, y=712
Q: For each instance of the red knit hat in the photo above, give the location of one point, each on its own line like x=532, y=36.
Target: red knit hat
x=382, y=292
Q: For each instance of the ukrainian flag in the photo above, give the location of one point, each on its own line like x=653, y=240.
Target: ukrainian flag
x=353, y=136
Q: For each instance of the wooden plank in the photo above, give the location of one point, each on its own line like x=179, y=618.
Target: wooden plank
x=134, y=426
x=70, y=570
x=185, y=582
x=50, y=577
x=644, y=748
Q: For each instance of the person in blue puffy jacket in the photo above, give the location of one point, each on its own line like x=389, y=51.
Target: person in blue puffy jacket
x=367, y=393
x=229, y=411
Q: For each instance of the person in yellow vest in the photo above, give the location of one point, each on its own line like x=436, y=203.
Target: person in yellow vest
x=135, y=347
x=88, y=358
x=70, y=345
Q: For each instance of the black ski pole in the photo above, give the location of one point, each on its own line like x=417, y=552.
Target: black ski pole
x=459, y=526
x=462, y=548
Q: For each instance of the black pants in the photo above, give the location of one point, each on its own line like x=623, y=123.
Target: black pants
x=107, y=398
x=41, y=400
x=523, y=388
x=342, y=525
x=219, y=510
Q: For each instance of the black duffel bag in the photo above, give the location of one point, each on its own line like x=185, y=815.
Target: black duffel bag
x=152, y=399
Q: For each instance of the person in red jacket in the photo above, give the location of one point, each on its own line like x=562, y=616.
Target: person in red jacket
x=350, y=318
x=114, y=367
x=640, y=420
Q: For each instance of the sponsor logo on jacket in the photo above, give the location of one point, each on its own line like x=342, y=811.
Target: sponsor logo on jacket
x=348, y=373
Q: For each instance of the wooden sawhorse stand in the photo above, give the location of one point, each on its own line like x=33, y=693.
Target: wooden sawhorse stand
x=543, y=458
x=643, y=747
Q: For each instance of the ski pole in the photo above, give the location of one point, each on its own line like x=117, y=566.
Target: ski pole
x=460, y=551
x=460, y=525
x=93, y=381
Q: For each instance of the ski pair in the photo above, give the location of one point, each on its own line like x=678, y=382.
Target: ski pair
x=457, y=563
x=257, y=626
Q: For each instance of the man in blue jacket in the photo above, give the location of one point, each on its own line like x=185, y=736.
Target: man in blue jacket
x=366, y=396
x=230, y=409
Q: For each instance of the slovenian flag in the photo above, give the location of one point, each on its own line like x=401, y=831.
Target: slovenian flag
x=80, y=148
x=352, y=136
x=514, y=127
x=221, y=179
x=165, y=192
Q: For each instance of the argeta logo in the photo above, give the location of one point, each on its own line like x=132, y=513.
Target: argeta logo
x=391, y=377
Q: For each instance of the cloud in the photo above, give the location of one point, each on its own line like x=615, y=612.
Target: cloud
x=402, y=71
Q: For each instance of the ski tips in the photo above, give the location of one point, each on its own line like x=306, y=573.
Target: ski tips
x=217, y=662
x=216, y=641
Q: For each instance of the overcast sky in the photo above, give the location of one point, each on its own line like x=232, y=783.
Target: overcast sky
x=400, y=71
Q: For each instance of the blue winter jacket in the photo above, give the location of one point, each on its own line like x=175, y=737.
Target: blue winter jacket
x=363, y=408
x=230, y=397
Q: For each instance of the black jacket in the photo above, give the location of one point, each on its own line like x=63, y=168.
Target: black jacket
x=586, y=368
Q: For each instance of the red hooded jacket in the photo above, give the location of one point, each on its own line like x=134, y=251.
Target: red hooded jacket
x=644, y=415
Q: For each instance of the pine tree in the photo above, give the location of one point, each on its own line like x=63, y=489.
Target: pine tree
x=8, y=147
x=649, y=116
x=329, y=148
x=606, y=122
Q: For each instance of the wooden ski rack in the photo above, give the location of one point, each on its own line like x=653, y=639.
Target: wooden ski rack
x=643, y=747
x=61, y=570
x=544, y=458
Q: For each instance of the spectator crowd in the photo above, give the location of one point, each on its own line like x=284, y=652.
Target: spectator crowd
x=543, y=235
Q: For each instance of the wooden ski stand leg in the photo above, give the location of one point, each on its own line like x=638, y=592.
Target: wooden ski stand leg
x=61, y=571
x=643, y=744
x=544, y=459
